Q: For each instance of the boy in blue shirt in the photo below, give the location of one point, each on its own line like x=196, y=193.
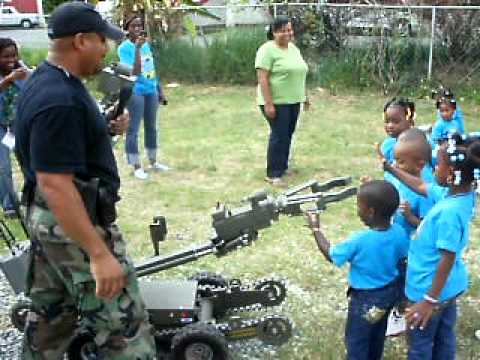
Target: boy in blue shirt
x=436, y=273
x=373, y=255
x=412, y=154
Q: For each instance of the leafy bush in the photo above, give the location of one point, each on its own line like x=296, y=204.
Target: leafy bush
x=228, y=57
x=32, y=57
x=225, y=57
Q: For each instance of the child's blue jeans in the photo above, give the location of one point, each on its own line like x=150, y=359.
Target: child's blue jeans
x=437, y=340
x=368, y=312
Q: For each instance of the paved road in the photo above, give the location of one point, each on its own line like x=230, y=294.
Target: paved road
x=31, y=38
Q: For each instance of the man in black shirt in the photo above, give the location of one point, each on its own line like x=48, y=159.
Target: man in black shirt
x=80, y=267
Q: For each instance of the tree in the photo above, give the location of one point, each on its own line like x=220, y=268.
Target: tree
x=162, y=19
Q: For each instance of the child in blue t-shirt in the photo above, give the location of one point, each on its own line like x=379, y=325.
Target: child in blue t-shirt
x=449, y=120
x=449, y=117
x=398, y=116
x=412, y=154
x=436, y=273
x=373, y=255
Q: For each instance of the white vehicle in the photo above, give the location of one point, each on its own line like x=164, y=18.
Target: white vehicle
x=9, y=16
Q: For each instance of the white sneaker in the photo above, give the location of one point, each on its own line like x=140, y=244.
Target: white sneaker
x=140, y=174
x=159, y=167
x=396, y=324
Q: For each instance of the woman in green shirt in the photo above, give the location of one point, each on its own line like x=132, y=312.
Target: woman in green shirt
x=281, y=74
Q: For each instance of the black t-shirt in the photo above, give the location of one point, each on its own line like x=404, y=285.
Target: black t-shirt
x=59, y=129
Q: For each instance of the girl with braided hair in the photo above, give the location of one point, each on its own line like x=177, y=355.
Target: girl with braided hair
x=436, y=273
x=12, y=77
x=398, y=115
x=449, y=116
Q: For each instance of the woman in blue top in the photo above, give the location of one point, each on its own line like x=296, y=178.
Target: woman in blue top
x=12, y=77
x=436, y=273
x=136, y=53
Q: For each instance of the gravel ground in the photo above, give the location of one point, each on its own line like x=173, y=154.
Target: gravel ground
x=10, y=338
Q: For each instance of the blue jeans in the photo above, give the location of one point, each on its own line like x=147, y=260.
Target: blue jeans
x=142, y=106
x=6, y=181
x=281, y=132
x=368, y=312
x=437, y=341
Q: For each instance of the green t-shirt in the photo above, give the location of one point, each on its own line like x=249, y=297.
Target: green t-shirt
x=287, y=73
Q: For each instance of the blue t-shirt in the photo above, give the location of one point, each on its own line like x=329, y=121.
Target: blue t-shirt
x=428, y=174
x=146, y=82
x=442, y=128
x=387, y=149
x=373, y=256
x=436, y=192
x=419, y=204
x=446, y=227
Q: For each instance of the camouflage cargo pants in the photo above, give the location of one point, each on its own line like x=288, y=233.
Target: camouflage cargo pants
x=63, y=295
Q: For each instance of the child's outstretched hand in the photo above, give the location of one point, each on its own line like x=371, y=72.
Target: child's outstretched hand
x=313, y=220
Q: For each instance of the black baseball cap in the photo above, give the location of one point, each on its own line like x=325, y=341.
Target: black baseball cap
x=78, y=17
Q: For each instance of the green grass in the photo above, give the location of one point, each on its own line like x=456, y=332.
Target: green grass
x=215, y=139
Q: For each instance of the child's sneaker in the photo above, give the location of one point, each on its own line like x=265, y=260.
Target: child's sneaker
x=159, y=167
x=140, y=174
x=396, y=324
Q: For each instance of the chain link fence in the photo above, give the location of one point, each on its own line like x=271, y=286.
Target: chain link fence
x=394, y=48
